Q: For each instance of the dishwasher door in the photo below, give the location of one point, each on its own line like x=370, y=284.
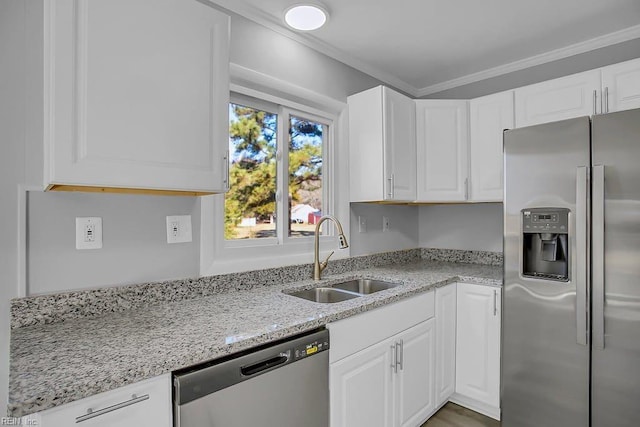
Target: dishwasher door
x=285, y=385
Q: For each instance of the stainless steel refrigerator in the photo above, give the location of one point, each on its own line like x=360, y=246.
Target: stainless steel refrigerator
x=571, y=314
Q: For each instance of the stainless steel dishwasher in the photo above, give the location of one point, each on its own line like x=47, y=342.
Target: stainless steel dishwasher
x=281, y=385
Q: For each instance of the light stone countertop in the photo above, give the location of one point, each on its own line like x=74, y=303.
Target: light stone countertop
x=57, y=363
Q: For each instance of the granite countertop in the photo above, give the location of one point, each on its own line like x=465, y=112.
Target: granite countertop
x=57, y=363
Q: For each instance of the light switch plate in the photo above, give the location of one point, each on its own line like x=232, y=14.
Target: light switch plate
x=179, y=229
x=88, y=233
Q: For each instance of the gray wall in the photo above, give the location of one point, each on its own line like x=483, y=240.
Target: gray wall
x=134, y=238
x=261, y=49
x=402, y=233
x=574, y=64
x=465, y=226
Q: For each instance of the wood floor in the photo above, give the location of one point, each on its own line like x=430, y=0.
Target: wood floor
x=452, y=415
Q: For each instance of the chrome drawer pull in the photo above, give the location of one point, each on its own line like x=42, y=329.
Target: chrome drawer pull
x=92, y=414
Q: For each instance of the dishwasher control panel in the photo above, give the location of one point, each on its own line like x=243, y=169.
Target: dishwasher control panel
x=310, y=348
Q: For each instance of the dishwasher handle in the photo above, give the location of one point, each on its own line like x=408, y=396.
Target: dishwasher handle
x=264, y=365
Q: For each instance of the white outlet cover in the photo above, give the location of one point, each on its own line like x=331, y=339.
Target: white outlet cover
x=362, y=224
x=88, y=233
x=179, y=229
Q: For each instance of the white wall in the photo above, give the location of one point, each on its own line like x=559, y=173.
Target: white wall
x=465, y=226
x=12, y=136
x=402, y=234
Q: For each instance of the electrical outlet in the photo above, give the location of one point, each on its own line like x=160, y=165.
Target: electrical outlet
x=179, y=229
x=362, y=224
x=89, y=233
x=385, y=223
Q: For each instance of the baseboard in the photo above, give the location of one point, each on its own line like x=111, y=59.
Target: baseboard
x=475, y=405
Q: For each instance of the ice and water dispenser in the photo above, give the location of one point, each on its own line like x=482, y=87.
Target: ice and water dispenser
x=545, y=236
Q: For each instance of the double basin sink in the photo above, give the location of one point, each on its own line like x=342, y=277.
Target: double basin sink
x=343, y=291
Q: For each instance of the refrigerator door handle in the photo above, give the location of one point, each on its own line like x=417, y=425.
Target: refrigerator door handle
x=581, y=276
x=598, y=256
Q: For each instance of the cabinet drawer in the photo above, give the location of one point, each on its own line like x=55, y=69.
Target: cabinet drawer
x=146, y=403
x=351, y=335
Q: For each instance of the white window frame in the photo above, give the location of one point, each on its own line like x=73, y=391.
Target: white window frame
x=218, y=255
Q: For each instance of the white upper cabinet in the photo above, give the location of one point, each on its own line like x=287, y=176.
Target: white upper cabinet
x=489, y=117
x=135, y=95
x=382, y=146
x=564, y=98
x=442, y=145
x=621, y=86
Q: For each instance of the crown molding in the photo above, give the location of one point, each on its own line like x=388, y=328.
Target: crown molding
x=543, y=58
x=239, y=7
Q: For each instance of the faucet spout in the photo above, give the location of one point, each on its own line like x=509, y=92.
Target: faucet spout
x=318, y=266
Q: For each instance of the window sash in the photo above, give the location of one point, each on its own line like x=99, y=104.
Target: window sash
x=284, y=114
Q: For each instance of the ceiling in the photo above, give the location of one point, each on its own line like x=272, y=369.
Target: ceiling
x=425, y=46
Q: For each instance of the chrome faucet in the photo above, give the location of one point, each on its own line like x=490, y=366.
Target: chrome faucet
x=318, y=266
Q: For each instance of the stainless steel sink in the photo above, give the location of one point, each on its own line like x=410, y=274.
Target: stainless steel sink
x=365, y=286
x=325, y=295
x=344, y=291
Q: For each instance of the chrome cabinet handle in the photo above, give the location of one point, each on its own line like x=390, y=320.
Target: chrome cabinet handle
x=226, y=177
x=597, y=251
x=606, y=99
x=582, y=253
x=391, y=185
x=595, y=100
x=495, y=302
x=394, y=364
x=92, y=414
x=402, y=355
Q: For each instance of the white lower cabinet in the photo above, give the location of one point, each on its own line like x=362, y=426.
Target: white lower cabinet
x=143, y=404
x=383, y=366
x=445, y=343
x=387, y=384
x=478, y=348
x=413, y=390
x=361, y=388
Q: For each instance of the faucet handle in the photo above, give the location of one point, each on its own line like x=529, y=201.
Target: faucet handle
x=324, y=263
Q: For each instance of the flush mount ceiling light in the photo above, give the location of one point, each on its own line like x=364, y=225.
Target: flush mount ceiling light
x=306, y=17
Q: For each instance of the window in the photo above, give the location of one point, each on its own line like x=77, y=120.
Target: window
x=276, y=156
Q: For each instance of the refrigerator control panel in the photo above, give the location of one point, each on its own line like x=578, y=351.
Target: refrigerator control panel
x=543, y=220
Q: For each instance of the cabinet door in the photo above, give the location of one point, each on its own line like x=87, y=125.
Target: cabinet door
x=445, y=343
x=414, y=382
x=489, y=117
x=400, y=146
x=144, y=404
x=621, y=86
x=564, y=98
x=442, y=145
x=140, y=94
x=478, y=343
x=360, y=388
